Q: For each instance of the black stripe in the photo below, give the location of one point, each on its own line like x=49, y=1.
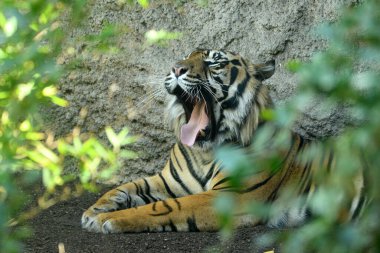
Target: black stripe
x=124, y=202
x=241, y=87
x=244, y=62
x=129, y=201
x=273, y=194
x=233, y=102
x=169, y=210
x=219, y=65
x=154, y=206
x=167, y=205
x=167, y=188
x=213, y=90
x=221, y=182
x=225, y=189
x=147, y=190
x=190, y=166
x=141, y=194
x=258, y=185
x=208, y=175
x=307, y=166
x=137, y=188
x=225, y=89
x=233, y=75
x=175, y=157
x=329, y=163
x=308, y=185
x=125, y=193
x=178, y=204
x=289, y=170
x=221, y=118
x=301, y=145
x=218, y=171
x=305, y=176
x=308, y=214
x=176, y=177
x=236, y=62
x=293, y=142
x=207, y=74
x=359, y=207
x=172, y=226
x=191, y=222
x=216, y=78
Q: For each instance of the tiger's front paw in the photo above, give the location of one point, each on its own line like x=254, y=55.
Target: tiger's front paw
x=91, y=222
x=90, y=218
x=100, y=223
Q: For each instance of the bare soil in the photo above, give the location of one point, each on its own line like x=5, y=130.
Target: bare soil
x=61, y=224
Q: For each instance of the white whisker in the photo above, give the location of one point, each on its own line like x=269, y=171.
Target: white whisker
x=151, y=96
x=211, y=93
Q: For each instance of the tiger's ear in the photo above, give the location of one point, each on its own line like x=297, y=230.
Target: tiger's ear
x=264, y=71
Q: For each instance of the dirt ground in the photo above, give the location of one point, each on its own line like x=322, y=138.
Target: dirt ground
x=61, y=224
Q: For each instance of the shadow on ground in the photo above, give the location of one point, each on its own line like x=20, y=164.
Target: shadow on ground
x=61, y=224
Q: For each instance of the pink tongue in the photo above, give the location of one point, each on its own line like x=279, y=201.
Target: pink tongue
x=198, y=120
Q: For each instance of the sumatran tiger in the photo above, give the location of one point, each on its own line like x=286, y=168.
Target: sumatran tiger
x=216, y=99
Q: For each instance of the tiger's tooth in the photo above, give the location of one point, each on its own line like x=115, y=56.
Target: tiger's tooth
x=202, y=133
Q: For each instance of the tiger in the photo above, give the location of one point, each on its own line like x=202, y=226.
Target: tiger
x=215, y=98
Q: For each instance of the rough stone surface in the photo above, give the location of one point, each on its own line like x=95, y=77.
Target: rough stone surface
x=126, y=89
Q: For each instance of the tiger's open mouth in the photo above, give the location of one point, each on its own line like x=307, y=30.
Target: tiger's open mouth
x=200, y=121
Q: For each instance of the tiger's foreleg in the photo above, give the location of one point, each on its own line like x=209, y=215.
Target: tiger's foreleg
x=189, y=213
x=136, y=193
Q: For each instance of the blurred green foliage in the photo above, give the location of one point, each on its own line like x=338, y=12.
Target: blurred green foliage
x=161, y=37
x=347, y=72
x=32, y=37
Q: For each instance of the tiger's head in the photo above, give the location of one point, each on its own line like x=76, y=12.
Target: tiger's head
x=216, y=97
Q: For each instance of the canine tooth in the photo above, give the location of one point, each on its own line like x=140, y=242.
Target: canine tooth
x=202, y=133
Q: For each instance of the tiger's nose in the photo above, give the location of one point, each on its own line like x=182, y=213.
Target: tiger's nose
x=179, y=70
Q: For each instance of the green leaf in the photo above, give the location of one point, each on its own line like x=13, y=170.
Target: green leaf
x=49, y=154
x=143, y=3
x=112, y=137
x=232, y=158
x=161, y=37
x=3, y=19
x=293, y=65
x=10, y=26
x=49, y=91
x=34, y=136
x=3, y=55
x=24, y=90
x=59, y=101
x=47, y=179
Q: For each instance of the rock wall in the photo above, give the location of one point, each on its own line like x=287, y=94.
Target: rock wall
x=126, y=89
